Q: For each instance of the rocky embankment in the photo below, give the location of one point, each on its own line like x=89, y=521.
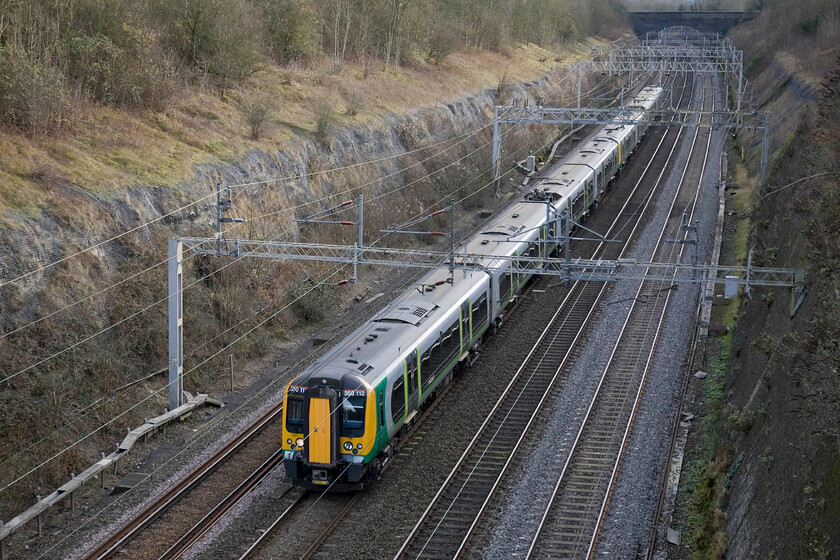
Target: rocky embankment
x=764, y=464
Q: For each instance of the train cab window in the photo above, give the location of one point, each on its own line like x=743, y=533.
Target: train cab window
x=294, y=413
x=398, y=400
x=353, y=416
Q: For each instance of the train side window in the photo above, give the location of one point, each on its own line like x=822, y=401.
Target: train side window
x=436, y=358
x=504, y=286
x=353, y=416
x=294, y=413
x=427, y=366
x=479, y=312
x=398, y=399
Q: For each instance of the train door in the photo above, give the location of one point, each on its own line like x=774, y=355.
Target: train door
x=322, y=426
x=412, y=384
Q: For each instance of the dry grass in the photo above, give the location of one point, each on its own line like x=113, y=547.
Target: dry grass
x=109, y=149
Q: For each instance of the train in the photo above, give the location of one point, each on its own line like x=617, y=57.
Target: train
x=343, y=415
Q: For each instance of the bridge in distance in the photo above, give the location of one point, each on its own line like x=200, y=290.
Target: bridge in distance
x=705, y=22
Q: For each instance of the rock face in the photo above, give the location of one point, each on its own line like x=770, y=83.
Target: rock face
x=375, y=157
x=779, y=486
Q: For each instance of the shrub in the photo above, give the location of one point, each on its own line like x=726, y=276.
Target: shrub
x=129, y=70
x=810, y=24
x=33, y=95
x=291, y=28
x=324, y=117
x=256, y=114
x=215, y=36
x=314, y=303
x=502, y=86
x=355, y=100
x=441, y=43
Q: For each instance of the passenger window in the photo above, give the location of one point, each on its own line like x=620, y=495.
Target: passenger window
x=353, y=416
x=398, y=400
x=294, y=413
x=479, y=313
x=504, y=286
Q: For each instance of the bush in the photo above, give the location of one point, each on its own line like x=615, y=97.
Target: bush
x=441, y=43
x=129, y=70
x=324, y=117
x=291, y=28
x=355, y=100
x=33, y=95
x=809, y=25
x=215, y=36
x=256, y=114
x=502, y=86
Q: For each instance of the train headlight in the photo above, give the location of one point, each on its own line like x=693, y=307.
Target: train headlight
x=359, y=446
x=289, y=441
x=348, y=445
x=299, y=442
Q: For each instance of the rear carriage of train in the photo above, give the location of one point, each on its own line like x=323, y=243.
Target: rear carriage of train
x=579, y=183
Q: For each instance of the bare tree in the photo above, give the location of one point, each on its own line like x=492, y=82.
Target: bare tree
x=396, y=12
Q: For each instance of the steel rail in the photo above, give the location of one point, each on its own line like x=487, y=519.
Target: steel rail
x=672, y=444
x=315, y=546
x=213, y=516
x=264, y=536
x=140, y=522
x=498, y=407
x=156, y=509
x=590, y=422
x=650, y=357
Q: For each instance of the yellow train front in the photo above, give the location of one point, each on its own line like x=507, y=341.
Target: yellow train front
x=330, y=432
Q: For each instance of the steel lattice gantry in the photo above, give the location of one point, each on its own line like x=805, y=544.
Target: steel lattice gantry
x=568, y=269
x=625, y=115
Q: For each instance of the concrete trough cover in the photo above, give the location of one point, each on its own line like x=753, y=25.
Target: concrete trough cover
x=129, y=481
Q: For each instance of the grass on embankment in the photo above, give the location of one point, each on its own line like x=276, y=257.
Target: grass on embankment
x=107, y=149
x=710, y=467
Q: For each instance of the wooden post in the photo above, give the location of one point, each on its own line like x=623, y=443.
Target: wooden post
x=231, y=371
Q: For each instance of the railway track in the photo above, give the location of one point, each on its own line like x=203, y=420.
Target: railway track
x=150, y=514
x=571, y=522
x=445, y=529
x=117, y=542
x=287, y=517
x=199, y=529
